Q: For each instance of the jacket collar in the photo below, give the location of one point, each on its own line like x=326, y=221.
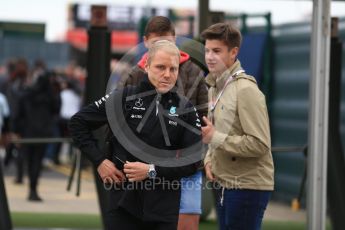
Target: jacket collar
x=218, y=82
x=146, y=85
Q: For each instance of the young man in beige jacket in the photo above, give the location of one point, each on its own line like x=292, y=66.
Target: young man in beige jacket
x=239, y=158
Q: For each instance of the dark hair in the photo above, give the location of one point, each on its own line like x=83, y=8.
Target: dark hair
x=225, y=32
x=159, y=25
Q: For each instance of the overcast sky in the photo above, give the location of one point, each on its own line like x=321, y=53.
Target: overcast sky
x=54, y=12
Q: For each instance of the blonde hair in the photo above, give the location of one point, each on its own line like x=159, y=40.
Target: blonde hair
x=165, y=45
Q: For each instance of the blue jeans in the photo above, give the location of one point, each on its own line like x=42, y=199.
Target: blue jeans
x=191, y=194
x=241, y=209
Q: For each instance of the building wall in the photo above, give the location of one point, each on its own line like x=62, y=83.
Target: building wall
x=54, y=54
x=290, y=103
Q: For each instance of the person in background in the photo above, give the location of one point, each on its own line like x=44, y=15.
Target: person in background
x=17, y=84
x=35, y=119
x=70, y=105
x=39, y=67
x=237, y=130
x=191, y=83
x=6, y=74
x=4, y=119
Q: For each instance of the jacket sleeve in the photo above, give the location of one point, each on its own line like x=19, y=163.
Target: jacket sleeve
x=176, y=173
x=82, y=124
x=207, y=158
x=133, y=77
x=55, y=103
x=196, y=75
x=191, y=137
x=202, y=95
x=252, y=112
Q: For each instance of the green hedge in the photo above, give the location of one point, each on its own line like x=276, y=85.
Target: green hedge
x=86, y=221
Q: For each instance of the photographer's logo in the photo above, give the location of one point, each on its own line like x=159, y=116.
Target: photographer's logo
x=235, y=183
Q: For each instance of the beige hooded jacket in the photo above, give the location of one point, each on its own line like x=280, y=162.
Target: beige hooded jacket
x=240, y=149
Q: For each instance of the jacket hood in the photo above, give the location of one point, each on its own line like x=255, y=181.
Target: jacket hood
x=183, y=58
x=218, y=82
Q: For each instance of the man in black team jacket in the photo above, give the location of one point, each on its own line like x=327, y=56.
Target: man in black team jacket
x=134, y=205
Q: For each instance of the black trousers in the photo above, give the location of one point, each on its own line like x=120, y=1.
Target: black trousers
x=34, y=154
x=12, y=152
x=120, y=219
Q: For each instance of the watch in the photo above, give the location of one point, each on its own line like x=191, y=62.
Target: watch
x=152, y=172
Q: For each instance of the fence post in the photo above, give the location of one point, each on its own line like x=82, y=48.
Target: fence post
x=98, y=70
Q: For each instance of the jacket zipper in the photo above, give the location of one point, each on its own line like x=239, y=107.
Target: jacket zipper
x=157, y=103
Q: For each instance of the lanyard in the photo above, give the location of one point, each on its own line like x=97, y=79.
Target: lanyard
x=214, y=102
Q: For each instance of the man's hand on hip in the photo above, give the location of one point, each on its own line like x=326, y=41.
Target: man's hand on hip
x=208, y=172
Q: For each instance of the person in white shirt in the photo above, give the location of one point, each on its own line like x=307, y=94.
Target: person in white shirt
x=4, y=111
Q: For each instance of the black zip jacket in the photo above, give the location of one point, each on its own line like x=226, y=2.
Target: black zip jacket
x=38, y=107
x=160, y=202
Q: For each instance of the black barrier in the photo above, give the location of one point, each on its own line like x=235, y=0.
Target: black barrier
x=76, y=169
x=98, y=71
x=42, y=140
x=76, y=165
x=5, y=218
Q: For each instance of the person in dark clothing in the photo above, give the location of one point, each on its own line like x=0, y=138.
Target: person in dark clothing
x=34, y=119
x=18, y=71
x=152, y=119
x=190, y=83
